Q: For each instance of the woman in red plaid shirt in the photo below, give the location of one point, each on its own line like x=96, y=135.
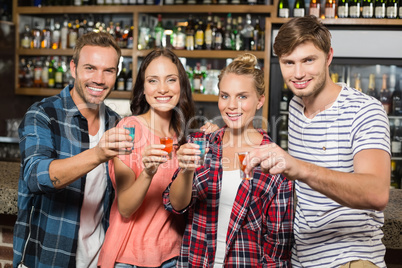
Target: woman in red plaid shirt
x=232, y=222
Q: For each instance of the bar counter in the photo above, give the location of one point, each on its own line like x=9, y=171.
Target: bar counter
x=9, y=172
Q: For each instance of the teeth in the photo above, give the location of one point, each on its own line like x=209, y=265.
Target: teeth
x=234, y=115
x=163, y=98
x=300, y=83
x=95, y=89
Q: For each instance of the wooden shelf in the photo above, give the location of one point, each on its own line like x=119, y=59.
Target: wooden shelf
x=58, y=52
x=261, y=9
x=348, y=21
x=207, y=54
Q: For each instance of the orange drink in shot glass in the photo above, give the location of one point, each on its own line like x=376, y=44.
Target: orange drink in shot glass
x=168, y=142
x=240, y=157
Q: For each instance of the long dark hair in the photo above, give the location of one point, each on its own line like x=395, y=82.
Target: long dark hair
x=181, y=117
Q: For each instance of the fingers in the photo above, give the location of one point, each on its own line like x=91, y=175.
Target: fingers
x=188, y=156
x=153, y=156
x=269, y=157
x=209, y=128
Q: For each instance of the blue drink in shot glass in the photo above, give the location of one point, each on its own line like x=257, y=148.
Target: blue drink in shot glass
x=131, y=129
x=202, y=142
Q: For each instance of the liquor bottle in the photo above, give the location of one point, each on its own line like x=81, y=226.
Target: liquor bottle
x=197, y=79
x=315, y=8
x=258, y=37
x=72, y=35
x=396, y=142
x=227, y=37
x=56, y=35
x=283, y=133
x=208, y=33
x=130, y=37
x=238, y=36
x=36, y=36
x=395, y=178
x=109, y=2
x=286, y=96
x=143, y=34
x=64, y=35
x=392, y=9
x=248, y=34
x=119, y=36
x=330, y=9
x=283, y=9
x=371, y=91
x=299, y=9
x=52, y=74
x=380, y=9
x=343, y=8
x=368, y=9
x=179, y=37
x=354, y=8
x=45, y=73
x=26, y=37
x=358, y=83
x=190, y=34
x=58, y=76
x=77, y=2
x=159, y=32
x=385, y=96
x=129, y=78
x=121, y=80
x=219, y=36
x=132, y=2
x=37, y=74
x=397, y=99
x=100, y=2
x=199, y=36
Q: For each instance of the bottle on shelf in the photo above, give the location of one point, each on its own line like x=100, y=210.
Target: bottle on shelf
x=283, y=132
x=248, y=34
x=129, y=78
x=51, y=74
x=371, y=91
x=395, y=176
x=358, y=82
x=259, y=36
x=159, y=32
x=299, y=9
x=208, y=33
x=72, y=35
x=143, y=34
x=36, y=36
x=190, y=34
x=64, y=35
x=219, y=36
x=45, y=73
x=385, y=96
x=179, y=37
x=238, y=36
x=198, y=79
x=227, y=37
x=56, y=36
x=121, y=80
x=368, y=9
x=26, y=38
x=354, y=8
x=199, y=35
x=286, y=96
x=283, y=9
x=343, y=8
x=392, y=9
x=396, y=142
x=37, y=74
x=397, y=99
x=315, y=8
x=330, y=9
x=58, y=76
x=380, y=9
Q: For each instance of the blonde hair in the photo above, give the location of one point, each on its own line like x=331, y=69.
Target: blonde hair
x=246, y=64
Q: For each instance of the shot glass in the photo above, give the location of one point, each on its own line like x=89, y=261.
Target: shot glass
x=202, y=142
x=131, y=129
x=240, y=157
x=168, y=142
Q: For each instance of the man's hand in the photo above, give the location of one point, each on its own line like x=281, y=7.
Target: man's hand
x=114, y=141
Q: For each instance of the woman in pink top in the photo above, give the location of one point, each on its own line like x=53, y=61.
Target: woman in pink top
x=141, y=232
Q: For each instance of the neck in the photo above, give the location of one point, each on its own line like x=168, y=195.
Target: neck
x=159, y=123
x=242, y=138
x=321, y=102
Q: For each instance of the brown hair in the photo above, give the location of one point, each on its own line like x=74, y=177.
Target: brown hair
x=99, y=39
x=300, y=30
x=246, y=64
x=184, y=114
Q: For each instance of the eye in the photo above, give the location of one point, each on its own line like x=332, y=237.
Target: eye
x=172, y=80
x=242, y=97
x=223, y=96
x=152, y=81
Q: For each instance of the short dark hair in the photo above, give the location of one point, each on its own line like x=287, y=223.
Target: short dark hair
x=139, y=104
x=300, y=30
x=100, y=39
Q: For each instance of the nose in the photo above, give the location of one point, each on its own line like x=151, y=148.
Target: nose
x=233, y=103
x=99, y=77
x=299, y=71
x=163, y=88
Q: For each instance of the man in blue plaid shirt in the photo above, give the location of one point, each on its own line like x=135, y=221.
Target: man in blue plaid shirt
x=64, y=193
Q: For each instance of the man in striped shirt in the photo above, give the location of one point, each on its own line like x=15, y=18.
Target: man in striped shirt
x=339, y=155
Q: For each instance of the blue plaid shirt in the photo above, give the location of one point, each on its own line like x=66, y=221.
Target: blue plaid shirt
x=46, y=230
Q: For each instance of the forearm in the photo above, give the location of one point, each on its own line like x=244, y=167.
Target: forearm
x=355, y=190
x=131, y=198
x=181, y=190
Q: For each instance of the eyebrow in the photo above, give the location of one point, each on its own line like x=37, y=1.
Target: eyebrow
x=169, y=75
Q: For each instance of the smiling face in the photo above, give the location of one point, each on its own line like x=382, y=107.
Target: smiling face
x=305, y=70
x=95, y=74
x=162, y=85
x=238, y=100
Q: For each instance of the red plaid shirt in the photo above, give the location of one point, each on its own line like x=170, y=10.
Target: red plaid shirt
x=260, y=232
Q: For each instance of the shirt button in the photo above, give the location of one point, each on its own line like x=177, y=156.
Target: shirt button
x=324, y=148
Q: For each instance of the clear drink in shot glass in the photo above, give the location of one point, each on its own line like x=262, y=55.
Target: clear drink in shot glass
x=168, y=142
x=202, y=142
x=240, y=157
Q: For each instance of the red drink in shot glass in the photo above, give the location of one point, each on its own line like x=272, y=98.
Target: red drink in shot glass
x=168, y=142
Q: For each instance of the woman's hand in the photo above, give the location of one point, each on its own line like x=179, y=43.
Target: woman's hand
x=209, y=127
x=152, y=157
x=188, y=156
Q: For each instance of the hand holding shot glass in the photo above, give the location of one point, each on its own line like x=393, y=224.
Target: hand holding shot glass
x=240, y=157
x=202, y=142
x=131, y=130
x=168, y=142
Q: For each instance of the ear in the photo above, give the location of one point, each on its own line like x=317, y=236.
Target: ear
x=72, y=68
x=260, y=102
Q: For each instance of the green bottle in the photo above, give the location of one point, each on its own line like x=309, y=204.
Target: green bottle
x=283, y=9
x=299, y=9
x=159, y=32
x=368, y=9
x=343, y=8
x=380, y=9
x=392, y=9
x=52, y=75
